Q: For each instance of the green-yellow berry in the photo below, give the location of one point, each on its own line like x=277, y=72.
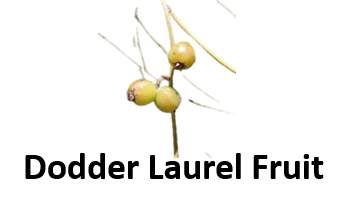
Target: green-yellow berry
x=167, y=99
x=182, y=55
x=142, y=92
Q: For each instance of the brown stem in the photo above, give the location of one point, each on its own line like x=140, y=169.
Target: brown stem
x=171, y=80
x=174, y=132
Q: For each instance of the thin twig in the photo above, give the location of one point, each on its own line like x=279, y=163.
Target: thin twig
x=174, y=133
x=208, y=155
x=143, y=60
x=200, y=43
x=123, y=53
x=173, y=116
x=168, y=22
x=163, y=77
x=171, y=39
x=133, y=40
x=226, y=8
x=140, y=67
x=211, y=107
x=171, y=79
x=138, y=19
x=199, y=88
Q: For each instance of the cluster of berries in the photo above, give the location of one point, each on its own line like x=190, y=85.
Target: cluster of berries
x=167, y=99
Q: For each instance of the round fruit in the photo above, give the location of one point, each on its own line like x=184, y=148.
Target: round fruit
x=182, y=55
x=167, y=99
x=142, y=92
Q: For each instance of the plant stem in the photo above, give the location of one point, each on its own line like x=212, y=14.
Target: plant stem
x=137, y=18
x=143, y=60
x=174, y=132
x=226, y=8
x=200, y=43
x=134, y=41
x=173, y=118
x=223, y=111
x=172, y=69
x=199, y=88
x=140, y=67
x=208, y=155
x=168, y=22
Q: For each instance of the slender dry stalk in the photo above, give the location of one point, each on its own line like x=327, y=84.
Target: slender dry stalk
x=199, y=88
x=209, y=51
x=226, y=8
x=172, y=69
x=133, y=40
x=172, y=42
x=140, y=67
x=223, y=111
x=174, y=133
x=168, y=22
x=208, y=155
x=143, y=26
x=173, y=117
x=144, y=66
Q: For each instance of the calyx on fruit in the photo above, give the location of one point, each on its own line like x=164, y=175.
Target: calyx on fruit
x=183, y=55
x=141, y=92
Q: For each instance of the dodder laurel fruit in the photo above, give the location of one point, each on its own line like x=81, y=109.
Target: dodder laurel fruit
x=182, y=55
x=142, y=92
x=167, y=99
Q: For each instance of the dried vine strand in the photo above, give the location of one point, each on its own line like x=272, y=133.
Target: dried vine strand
x=225, y=7
x=140, y=67
x=174, y=130
x=168, y=22
x=172, y=42
x=143, y=60
x=173, y=118
x=218, y=59
x=172, y=69
x=223, y=111
x=208, y=155
x=133, y=40
x=137, y=18
x=162, y=47
x=199, y=88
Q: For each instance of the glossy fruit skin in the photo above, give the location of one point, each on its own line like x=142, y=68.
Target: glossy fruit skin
x=142, y=91
x=167, y=99
x=182, y=55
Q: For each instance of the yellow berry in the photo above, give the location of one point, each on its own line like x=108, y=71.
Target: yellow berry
x=167, y=99
x=142, y=92
x=182, y=55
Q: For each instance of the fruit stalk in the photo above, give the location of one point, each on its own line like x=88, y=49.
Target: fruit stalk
x=174, y=129
x=172, y=69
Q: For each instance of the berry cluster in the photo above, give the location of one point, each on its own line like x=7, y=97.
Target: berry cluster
x=143, y=92
x=167, y=99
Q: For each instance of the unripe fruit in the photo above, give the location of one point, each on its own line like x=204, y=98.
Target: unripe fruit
x=142, y=92
x=167, y=99
x=182, y=55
